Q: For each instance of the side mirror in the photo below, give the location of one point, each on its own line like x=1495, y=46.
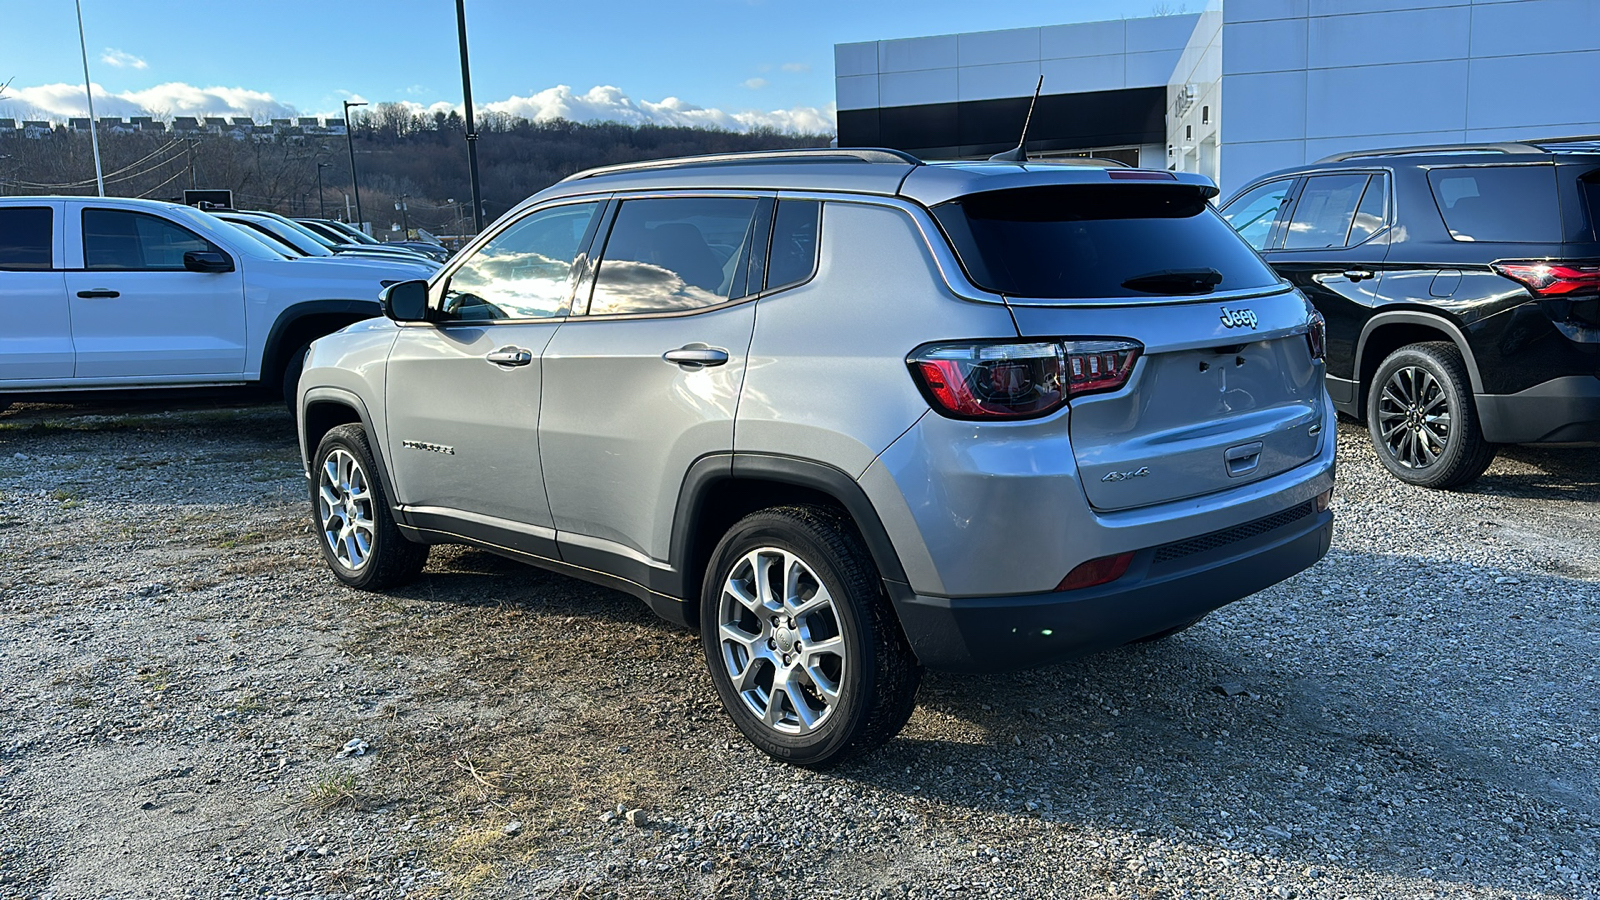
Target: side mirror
x=406, y=301
x=207, y=261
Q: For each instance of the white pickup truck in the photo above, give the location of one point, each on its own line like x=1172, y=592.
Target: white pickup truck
x=110, y=294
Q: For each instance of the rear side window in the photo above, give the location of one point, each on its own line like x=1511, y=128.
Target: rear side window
x=1372, y=212
x=675, y=254
x=794, y=243
x=118, y=239
x=1510, y=204
x=26, y=237
x=1324, y=212
x=1253, y=214
x=1098, y=241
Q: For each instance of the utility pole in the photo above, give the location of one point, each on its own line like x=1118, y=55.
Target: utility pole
x=472, y=133
x=322, y=208
x=350, y=141
x=405, y=221
x=94, y=136
x=190, y=144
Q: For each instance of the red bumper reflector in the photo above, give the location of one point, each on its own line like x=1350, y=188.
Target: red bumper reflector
x=1324, y=499
x=1096, y=571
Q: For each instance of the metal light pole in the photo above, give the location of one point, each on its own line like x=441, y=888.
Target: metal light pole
x=322, y=208
x=350, y=141
x=94, y=137
x=472, y=134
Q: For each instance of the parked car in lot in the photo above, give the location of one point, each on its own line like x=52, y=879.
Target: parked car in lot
x=848, y=414
x=301, y=235
x=1461, y=284
x=301, y=244
x=340, y=232
x=115, y=294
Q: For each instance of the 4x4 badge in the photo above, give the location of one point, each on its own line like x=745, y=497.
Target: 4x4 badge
x=1238, y=318
x=1140, y=472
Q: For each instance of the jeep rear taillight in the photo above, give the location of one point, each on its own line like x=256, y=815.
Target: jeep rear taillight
x=984, y=380
x=1317, y=336
x=1552, y=279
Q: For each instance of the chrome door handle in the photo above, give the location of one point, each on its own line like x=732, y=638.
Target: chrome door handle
x=1358, y=274
x=99, y=293
x=510, y=356
x=696, y=356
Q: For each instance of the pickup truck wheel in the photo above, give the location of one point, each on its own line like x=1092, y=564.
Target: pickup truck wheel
x=351, y=515
x=292, y=367
x=803, y=646
x=1422, y=420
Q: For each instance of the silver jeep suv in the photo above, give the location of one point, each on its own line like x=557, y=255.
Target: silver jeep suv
x=847, y=413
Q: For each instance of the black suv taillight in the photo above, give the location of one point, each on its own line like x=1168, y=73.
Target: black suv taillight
x=986, y=380
x=1552, y=279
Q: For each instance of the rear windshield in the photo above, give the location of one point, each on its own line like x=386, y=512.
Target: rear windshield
x=1092, y=241
x=1502, y=204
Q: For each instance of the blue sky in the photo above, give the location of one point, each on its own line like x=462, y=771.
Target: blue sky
x=734, y=56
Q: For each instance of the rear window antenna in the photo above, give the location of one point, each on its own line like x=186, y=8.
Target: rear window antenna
x=1018, y=154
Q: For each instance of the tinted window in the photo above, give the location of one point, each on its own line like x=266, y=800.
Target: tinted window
x=1078, y=241
x=524, y=271
x=1323, y=214
x=1370, y=214
x=674, y=254
x=117, y=239
x=26, y=236
x=1504, y=203
x=1253, y=214
x=793, y=257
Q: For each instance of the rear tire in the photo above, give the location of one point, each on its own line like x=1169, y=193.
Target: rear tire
x=292, y=367
x=1422, y=419
x=803, y=645
x=351, y=516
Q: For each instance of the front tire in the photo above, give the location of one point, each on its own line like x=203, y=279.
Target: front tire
x=292, y=367
x=352, y=519
x=1422, y=418
x=803, y=646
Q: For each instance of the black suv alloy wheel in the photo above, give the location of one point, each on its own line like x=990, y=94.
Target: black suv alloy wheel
x=1422, y=420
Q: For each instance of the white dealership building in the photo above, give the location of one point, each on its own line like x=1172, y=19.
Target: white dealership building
x=1245, y=87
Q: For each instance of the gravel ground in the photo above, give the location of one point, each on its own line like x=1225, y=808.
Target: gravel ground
x=193, y=707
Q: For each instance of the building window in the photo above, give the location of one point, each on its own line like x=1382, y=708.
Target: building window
x=1188, y=132
x=1205, y=115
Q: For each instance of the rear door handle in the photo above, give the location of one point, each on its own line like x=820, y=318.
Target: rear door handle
x=510, y=357
x=696, y=356
x=98, y=294
x=1358, y=274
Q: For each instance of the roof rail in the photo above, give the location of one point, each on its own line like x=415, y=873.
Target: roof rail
x=807, y=155
x=1499, y=147
x=1574, y=139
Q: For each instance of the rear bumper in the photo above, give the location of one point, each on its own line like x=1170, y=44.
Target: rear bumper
x=1166, y=586
x=1559, y=411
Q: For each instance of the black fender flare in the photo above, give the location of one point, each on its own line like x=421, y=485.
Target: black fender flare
x=836, y=483
x=355, y=309
x=1430, y=320
x=342, y=397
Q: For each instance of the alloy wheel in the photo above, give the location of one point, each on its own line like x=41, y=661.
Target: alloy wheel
x=344, y=507
x=780, y=640
x=1414, y=417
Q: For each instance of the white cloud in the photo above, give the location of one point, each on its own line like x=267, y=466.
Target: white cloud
x=755, y=84
x=121, y=60
x=58, y=102
x=796, y=67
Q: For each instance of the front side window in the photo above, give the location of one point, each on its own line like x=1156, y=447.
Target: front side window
x=1324, y=212
x=1253, y=214
x=524, y=272
x=1513, y=204
x=26, y=237
x=119, y=239
x=674, y=254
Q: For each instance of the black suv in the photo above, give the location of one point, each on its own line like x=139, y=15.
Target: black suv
x=1461, y=288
